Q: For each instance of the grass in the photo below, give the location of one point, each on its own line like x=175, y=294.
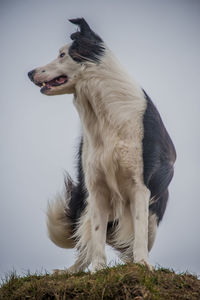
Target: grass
x=122, y=282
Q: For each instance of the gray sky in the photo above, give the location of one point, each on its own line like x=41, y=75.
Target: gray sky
x=159, y=44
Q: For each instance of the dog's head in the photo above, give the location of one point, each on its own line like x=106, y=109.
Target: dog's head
x=60, y=76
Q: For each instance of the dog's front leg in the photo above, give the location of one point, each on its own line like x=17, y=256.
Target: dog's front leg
x=99, y=220
x=139, y=205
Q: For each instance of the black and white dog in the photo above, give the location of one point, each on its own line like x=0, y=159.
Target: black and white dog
x=125, y=159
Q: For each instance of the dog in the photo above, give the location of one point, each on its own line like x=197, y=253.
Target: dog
x=125, y=158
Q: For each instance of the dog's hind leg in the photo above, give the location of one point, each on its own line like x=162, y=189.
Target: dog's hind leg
x=156, y=210
x=152, y=229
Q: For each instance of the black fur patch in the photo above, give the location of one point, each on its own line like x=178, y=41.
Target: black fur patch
x=79, y=193
x=159, y=156
x=87, y=45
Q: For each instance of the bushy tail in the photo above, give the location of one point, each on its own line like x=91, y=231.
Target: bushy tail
x=59, y=223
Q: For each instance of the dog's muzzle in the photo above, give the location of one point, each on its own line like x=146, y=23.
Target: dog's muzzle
x=31, y=74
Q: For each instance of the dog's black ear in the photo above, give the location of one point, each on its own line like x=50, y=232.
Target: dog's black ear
x=87, y=45
x=85, y=30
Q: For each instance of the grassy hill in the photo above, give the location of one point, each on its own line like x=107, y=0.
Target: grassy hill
x=122, y=282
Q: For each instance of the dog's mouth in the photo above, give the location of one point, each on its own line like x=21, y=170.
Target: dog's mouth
x=47, y=85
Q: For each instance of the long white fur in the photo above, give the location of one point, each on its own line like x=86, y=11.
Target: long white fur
x=111, y=106
x=114, y=104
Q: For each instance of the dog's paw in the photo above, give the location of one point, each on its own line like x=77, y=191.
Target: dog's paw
x=71, y=270
x=59, y=272
x=98, y=267
x=144, y=262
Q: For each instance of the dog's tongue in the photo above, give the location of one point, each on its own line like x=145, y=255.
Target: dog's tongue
x=60, y=79
x=56, y=81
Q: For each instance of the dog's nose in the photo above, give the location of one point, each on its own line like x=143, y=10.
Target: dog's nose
x=31, y=74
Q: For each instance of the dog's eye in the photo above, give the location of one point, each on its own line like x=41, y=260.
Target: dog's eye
x=62, y=54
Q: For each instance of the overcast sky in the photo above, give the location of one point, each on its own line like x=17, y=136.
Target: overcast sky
x=159, y=44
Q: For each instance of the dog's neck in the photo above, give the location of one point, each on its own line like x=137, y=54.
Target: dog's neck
x=106, y=94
